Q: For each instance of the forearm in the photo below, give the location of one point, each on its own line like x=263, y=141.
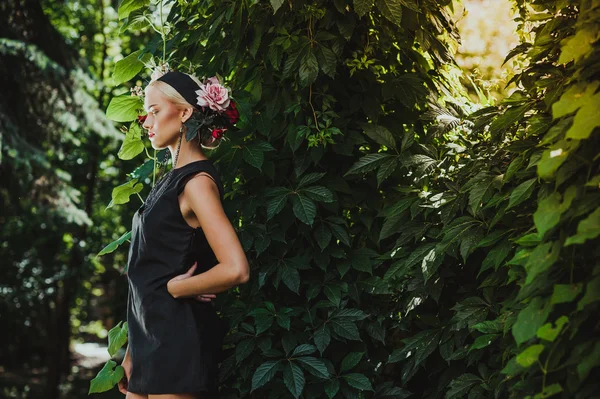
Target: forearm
x=218, y=279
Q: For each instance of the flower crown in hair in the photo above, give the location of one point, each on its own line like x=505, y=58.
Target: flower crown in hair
x=217, y=110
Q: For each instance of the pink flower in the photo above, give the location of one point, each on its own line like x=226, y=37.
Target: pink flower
x=214, y=95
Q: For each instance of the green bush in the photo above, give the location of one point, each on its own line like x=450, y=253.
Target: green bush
x=399, y=241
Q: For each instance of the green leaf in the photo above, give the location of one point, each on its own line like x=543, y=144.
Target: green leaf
x=317, y=193
x=115, y=244
x=530, y=319
x=554, y=157
x=521, y=193
x=276, y=4
x=351, y=360
x=243, y=349
x=293, y=377
x=304, y=209
x=564, y=293
x=483, y=341
x=254, y=156
x=589, y=362
x=322, y=338
x=345, y=329
x=275, y=205
x=587, y=229
x=460, y=386
x=124, y=108
x=143, y=171
x=430, y=264
x=361, y=7
x=358, y=381
x=391, y=9
x=131, y=147
x=127, y=68
x=304, y=349
x=327, y=61
x=542, y=257
x=530, y=355
x=368, y=163
x=264, y=373
x=340, y=233
x=309, y=69
x=117, y=337
x=577, y=46
x=121, y=194
x=127, y=6
x=314, y=366
x=334, y=294
x=380, y=134
x=477, y=193
x=291, y=278
x=106, y=378
x=584, y=99
x=309, y=179
x=490, y=326
x=386, y=169
x=550, y=208
x=549, y=333
x=549, y=391
x=322, y=235
x=592, y=293
x=332, y=387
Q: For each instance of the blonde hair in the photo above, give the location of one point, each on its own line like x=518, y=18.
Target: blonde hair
x=205, y=138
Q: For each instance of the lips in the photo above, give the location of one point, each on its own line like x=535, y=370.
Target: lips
x=151, y=134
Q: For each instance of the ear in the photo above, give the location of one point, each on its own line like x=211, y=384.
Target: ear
x=186, y=114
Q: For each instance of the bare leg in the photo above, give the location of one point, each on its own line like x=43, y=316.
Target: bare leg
x=174, y=396
x=131, y=395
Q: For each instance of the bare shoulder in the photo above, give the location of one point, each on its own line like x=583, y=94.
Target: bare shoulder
x=201, y=183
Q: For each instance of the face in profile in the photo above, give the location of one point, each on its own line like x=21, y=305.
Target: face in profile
x=163, y=121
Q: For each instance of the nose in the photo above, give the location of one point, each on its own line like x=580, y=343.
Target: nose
x=147, y=125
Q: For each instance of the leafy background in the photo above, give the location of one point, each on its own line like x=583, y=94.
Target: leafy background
x=405, y=241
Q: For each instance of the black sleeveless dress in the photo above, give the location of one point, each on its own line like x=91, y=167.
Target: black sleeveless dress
x=175, y=344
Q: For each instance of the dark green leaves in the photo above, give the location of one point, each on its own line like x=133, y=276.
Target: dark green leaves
x=391, y=9
x=264, y=373
x=309, y=68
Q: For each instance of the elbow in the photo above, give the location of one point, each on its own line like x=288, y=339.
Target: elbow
x=243, y=274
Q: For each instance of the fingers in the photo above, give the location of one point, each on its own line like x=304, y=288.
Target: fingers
x=206, y=297
x=122, y=385
x=190, y=272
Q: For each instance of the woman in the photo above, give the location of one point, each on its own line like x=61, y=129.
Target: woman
x=183, y=251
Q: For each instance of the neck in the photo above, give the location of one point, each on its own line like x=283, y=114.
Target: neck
x=189, y=152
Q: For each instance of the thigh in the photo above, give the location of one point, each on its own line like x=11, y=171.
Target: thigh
x=131, y=395
x=174, y=396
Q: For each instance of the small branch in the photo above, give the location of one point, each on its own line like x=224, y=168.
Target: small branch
x=311, y=106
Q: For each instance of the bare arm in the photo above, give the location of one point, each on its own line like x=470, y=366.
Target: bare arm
x=202, y=195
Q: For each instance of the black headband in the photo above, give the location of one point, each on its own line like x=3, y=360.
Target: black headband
x=184, y=85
